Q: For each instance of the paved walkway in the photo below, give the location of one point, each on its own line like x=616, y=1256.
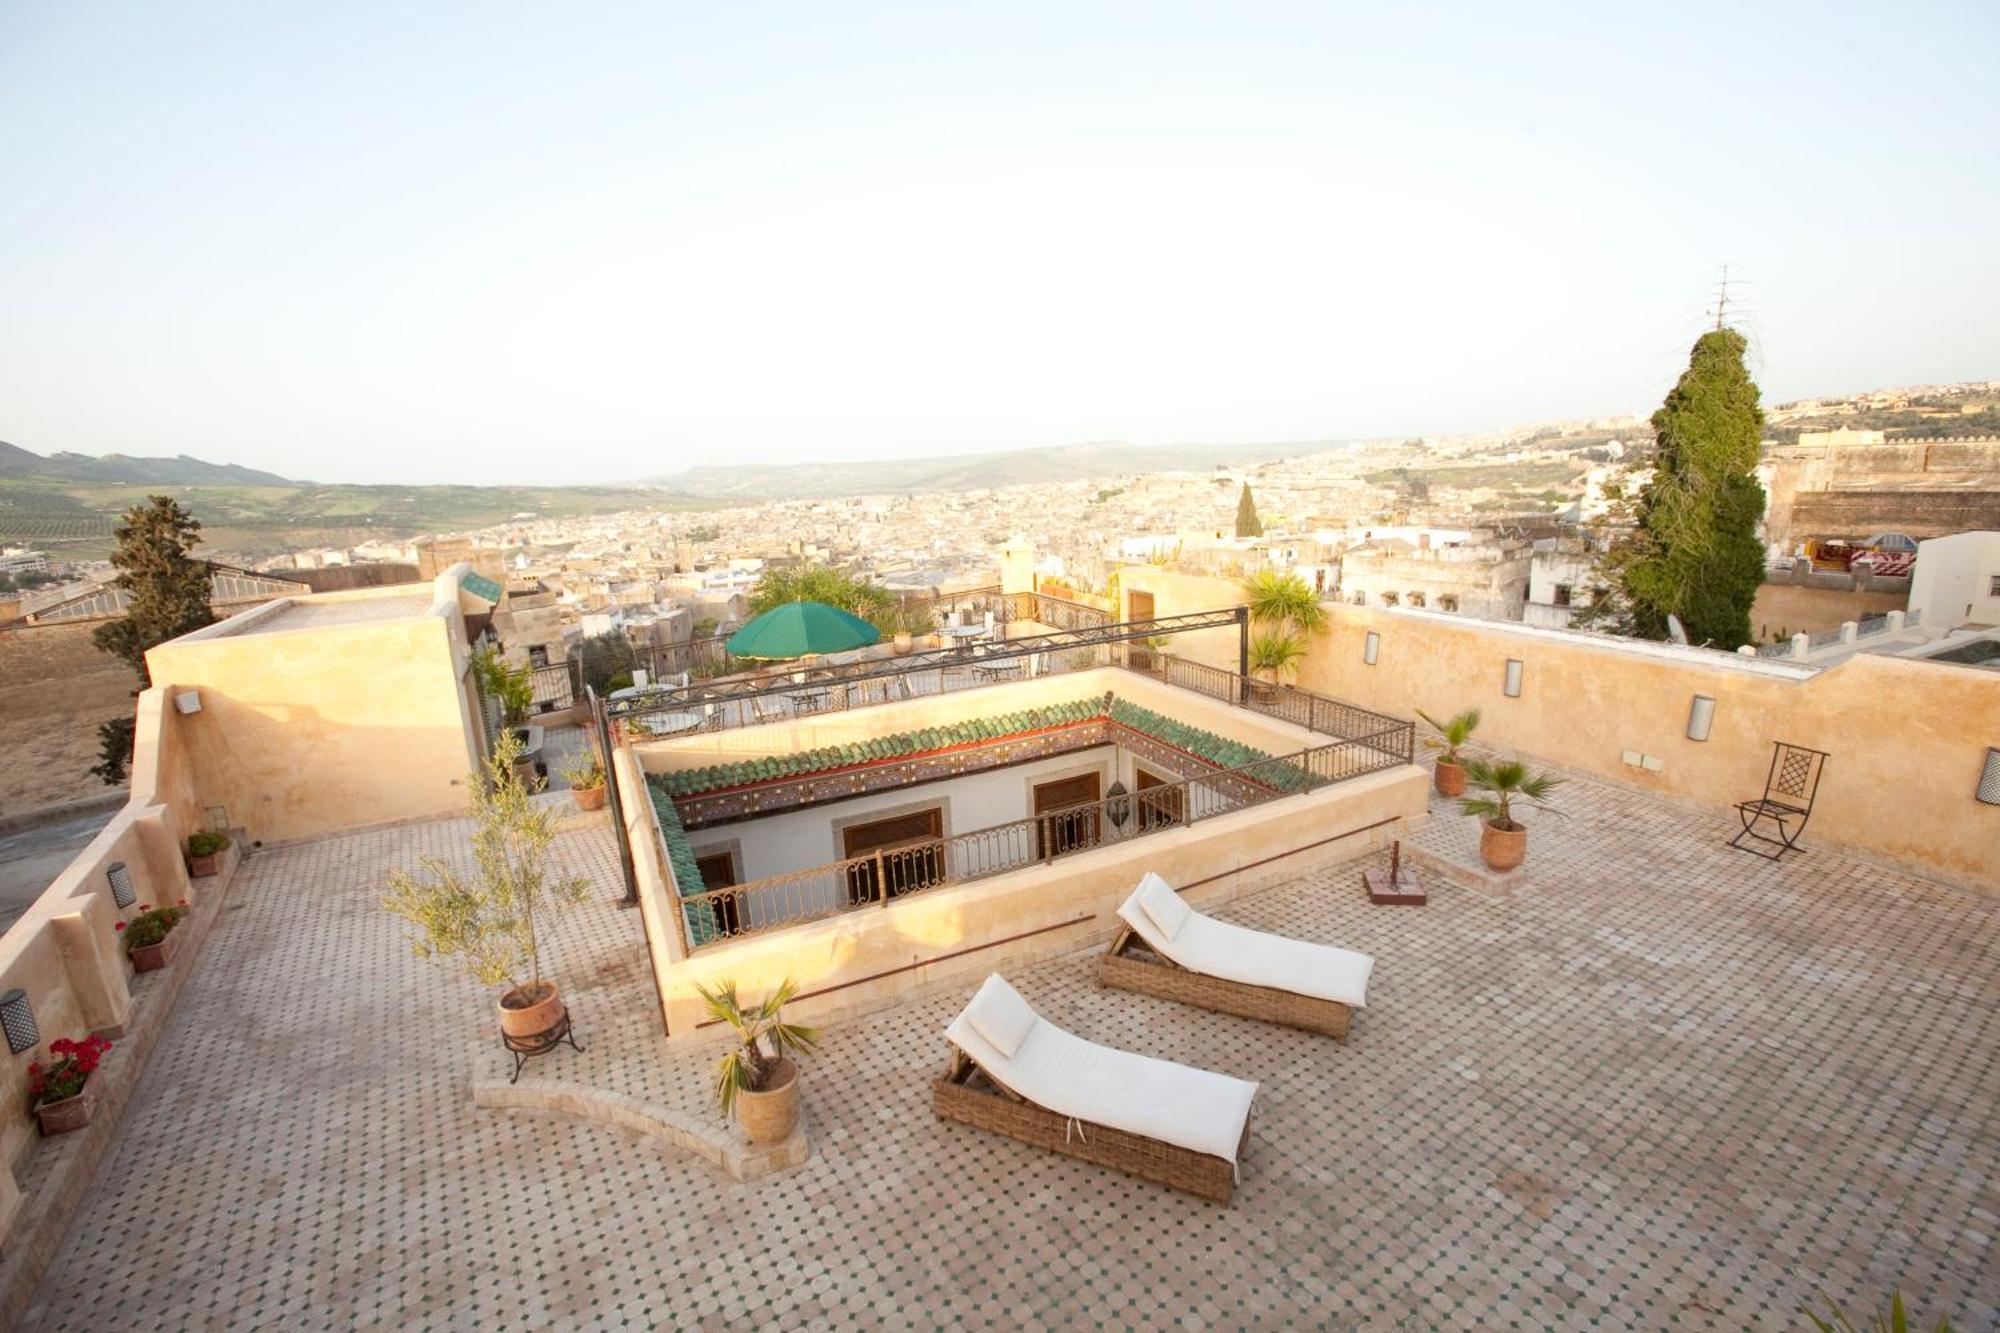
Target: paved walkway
x=1667, y=1084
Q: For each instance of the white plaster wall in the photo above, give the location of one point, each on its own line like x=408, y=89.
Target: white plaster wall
x=781, y=843
x=1952, y=580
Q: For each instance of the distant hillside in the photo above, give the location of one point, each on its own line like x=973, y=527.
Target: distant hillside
x=125, y=469
x=966, y=472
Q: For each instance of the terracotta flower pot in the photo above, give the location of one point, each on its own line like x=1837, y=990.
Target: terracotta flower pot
x=1502, y=848
x=770, y=1116
x=530, y=1010
x=902, y=643
x=153, y=957
x=201, y=867
x=588, y=798
x=68, y=1114
x=1450, y=778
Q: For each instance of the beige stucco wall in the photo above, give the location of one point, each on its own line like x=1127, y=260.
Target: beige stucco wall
x=1175, y=593
x=309, y=731
x=64, y=951
x=1907, y=738
x=866, y=959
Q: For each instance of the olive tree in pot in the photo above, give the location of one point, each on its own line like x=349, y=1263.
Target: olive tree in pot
x=1450, y=739
x=485, y=921
x=760, y=1090
x=1503, y=843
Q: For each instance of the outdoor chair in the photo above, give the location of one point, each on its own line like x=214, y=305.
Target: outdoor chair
x=1171, y=951
x=1787, y=803
x=1016, y=1073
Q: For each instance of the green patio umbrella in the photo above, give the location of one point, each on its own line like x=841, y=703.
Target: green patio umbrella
x=797, y=629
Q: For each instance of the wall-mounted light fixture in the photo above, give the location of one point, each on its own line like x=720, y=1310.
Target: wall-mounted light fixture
x=1118, y=804
x=1513, y=685
x=1701, y=716
x=1989, y=778
x=18, y=1017
x=188, y=701
x=1371, y=647
x=122, y=891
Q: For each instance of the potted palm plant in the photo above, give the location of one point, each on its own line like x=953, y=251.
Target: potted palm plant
x=485, y=919
x=1274, y=659
x=585, y=777
x=1450, y=739
x=760, y=1090
x=1503, y=843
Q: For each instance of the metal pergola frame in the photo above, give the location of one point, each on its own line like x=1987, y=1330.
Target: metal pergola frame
x=698, y=693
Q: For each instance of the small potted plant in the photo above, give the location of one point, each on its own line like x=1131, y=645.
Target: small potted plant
x=485, y=919
x=1503, y=843
x=513, y=688
x=60, y=1090
x=762, y=1091
x=585, y=777
x=149, y=936
x=204, y=853
x=1449, y=775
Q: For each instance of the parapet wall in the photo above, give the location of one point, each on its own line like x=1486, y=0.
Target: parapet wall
x=1907, y=738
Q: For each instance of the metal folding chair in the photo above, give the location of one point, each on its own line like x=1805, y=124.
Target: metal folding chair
x=1787, y=803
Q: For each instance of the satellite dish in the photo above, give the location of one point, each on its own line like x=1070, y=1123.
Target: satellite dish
x=1675, y=630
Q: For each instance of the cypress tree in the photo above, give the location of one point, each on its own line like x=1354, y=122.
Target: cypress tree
x=1247, y=522
x=167, y=587
x=1696, y=553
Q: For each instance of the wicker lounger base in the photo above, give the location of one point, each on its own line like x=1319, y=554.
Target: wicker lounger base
x=1131, y=966
x=954, y=1097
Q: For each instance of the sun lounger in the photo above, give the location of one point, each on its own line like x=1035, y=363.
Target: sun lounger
x=1016, y=1073
x=1170, y=950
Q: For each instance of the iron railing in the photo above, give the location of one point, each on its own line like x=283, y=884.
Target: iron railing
x=773, y=695
x=889, y=874
x=1315, y=712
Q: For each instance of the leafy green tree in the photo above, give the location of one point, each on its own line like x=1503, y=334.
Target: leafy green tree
x=1695, y=553
x=168, y=588
x=114, y=749
x=1247, y=522
x=819, y=583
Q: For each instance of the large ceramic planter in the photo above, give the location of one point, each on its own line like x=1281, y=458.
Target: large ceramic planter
x=770, y=1116
x=588, y=798
x=153, y=957
x=1449, y=778
x=529, y=1011
x=68, y=1114
x=1503, y=848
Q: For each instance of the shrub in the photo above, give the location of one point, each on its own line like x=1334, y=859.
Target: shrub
x=207, y=843
x=152, y=925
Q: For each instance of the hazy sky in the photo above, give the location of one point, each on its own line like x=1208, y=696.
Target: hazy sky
x=418, y=242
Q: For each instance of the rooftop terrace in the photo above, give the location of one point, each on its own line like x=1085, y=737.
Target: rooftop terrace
x=1662, y=1083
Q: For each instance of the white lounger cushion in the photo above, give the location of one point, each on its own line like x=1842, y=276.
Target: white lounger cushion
x=1168, y=910
x=1236, y=953
x=999, y=1014
x=1101, y=1085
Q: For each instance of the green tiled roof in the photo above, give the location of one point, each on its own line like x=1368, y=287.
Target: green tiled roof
x=481, y=586
x=687, y=875
x=773, y=768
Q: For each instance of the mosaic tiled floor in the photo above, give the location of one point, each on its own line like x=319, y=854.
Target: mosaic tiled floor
x=1664, y=1085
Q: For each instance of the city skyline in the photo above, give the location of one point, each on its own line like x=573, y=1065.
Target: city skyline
x=609, y=251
